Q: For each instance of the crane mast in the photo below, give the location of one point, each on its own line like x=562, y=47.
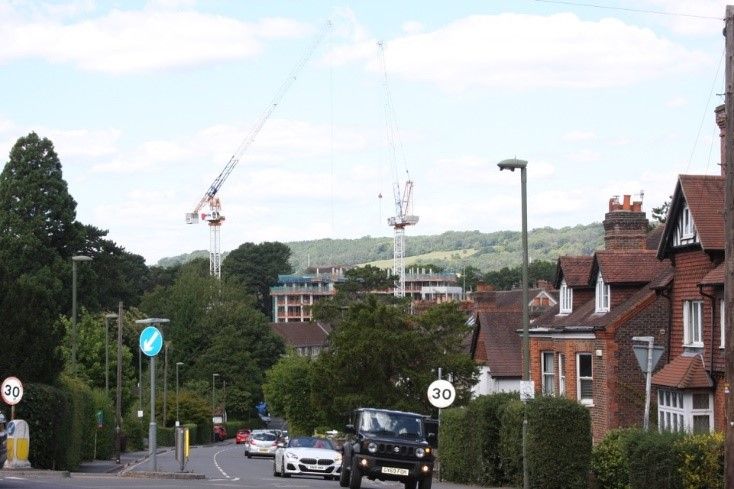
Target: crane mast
x=214, y=217
x=403, y=198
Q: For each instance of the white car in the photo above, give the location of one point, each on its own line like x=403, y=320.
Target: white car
x=308, y=456
x=262, y=443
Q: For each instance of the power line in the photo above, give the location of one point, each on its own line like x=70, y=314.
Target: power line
x=625, y=9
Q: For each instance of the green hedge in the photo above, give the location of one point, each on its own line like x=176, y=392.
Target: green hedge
x=46, y=409
x=558, y=443
x=610, y=461
x=702, y=461
x=654, y=460
x=510, y=442
x=105, y=434
x=484, y=442
x=454, y=431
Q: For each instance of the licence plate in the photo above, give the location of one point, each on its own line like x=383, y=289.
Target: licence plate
x=315, y=467
x=263, y=449
x=395, y=471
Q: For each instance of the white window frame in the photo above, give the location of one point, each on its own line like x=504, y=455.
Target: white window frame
x=585, y=401
x=561, y=374
x=603, y=294
x=722, y=322
x=676, y=411
x=566, y=299
x=548, y=373
x=693, y=324
x=685, y=231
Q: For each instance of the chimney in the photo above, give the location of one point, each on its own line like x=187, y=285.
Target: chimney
x=625, y=225
x=543, y=284
x=485, y=297
x=720, y=112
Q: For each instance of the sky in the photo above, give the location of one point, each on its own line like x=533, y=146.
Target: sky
x=146, y=102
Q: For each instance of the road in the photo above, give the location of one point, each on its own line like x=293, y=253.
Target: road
x=223, y=464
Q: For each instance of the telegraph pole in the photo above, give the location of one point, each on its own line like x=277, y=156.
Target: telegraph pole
x=729, y=248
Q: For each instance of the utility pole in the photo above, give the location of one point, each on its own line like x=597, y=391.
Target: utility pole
x=729, y=247
x=118, y=391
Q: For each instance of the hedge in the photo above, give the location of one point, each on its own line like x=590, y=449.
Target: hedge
x=454, y=431
x=46, y=409
x=610, y=460
x=702, y=461
x=105, y=434
x=558, y=443
x=510, y=442
x=654, y=460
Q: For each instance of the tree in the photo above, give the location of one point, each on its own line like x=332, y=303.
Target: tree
x=379, y=355
x=38, y=237
x=660, y=214
x=256, y=267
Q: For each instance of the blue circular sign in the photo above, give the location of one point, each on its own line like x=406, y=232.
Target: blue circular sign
x=151, y=341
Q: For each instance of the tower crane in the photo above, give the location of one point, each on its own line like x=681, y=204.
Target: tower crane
x=214, y=217
x=403, y=198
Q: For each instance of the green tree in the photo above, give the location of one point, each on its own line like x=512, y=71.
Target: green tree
x=660, y=214
x=38, y=237
x=256, y=267
x=288, y=390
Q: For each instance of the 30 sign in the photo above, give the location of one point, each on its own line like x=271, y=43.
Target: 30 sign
x=11, y=391
x=441, y=393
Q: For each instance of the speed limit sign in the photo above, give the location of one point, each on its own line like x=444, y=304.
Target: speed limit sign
x=441, y=393
x=12, y=391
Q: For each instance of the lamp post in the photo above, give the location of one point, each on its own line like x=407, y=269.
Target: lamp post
x=166, y=345
x=512, y=165
x=178, y=364
x=74, y=260
x=107, y=317
x=118, y=391
x=213, y=377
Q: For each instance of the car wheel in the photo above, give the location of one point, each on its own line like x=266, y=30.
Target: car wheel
x=344, y=477
x=275, y=470
x=425, y=483
x=248, y=455
x=355, y=477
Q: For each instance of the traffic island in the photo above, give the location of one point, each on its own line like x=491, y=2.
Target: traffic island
x=161, y=475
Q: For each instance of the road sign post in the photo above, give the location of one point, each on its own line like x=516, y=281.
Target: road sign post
x=151, y=341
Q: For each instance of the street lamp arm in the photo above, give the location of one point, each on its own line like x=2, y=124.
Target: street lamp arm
x=512, y=164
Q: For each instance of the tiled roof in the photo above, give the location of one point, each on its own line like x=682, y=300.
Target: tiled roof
x=586, y=316
x=575, y=270
x=705, y=197
x=627, y=266
x=684, y=372
x=652, y=241
x=715, y=276
x=497, y=343
x=506, y=299
x=302, y=334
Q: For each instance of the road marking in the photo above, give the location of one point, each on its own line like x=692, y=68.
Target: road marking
x=216, y=464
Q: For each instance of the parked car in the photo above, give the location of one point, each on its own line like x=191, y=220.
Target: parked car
x=220, y=432
x=242, y=436
x=262, y=443
x=308, y=455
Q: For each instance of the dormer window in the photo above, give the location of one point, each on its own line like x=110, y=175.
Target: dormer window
x=685, y=231
x=566, y=296
x=602, y=295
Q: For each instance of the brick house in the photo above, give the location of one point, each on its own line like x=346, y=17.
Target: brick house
x=307, y=338
x=582, y=348
x=495, y=345
x=691, y=386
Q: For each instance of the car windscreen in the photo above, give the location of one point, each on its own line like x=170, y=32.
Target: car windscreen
x=382, y=423
x=310, y=442
x=264, y=436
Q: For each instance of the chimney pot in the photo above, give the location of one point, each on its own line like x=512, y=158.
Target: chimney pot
x=626, y=206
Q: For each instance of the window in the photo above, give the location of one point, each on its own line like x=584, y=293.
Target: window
x=685, y=411
x=602, y=295
x=692, y=323
x=561, y=374
x=722, y=321
x=566, y=296
x=548, y=373
x=584, y=386
x=685, y=232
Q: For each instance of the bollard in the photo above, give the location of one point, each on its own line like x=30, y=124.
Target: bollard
x=18, y=445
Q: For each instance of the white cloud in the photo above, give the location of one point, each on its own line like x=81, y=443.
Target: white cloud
x=574, y=136
x=141, y=41
x=529, y=51
x=83, y=142
x=413, y=27
x=676, y=102
x=584, y=156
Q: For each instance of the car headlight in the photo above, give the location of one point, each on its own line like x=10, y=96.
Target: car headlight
x=291, y=455
x=419, y=452
x=372, y=447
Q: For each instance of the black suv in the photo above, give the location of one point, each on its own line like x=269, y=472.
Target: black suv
x=389, y=445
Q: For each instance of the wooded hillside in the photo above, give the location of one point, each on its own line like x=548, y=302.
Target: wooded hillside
x=451, y=250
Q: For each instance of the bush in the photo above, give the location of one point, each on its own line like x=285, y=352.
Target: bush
x=701, y=461
x=105, y=434
x=654, y=460
x=558, y=443
x=165, y=437
x=485, y=412
x=135, y=431
x=46, y=409
x=610, y=462
x=452, y=446
x=510, y=442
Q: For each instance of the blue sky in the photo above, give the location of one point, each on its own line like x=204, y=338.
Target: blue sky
x=147, y=101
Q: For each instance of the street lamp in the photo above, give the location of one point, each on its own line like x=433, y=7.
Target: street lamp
x=512, y=165
x=178, y=364
x=74, y=259
x=213, y=377
x=111, y=315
